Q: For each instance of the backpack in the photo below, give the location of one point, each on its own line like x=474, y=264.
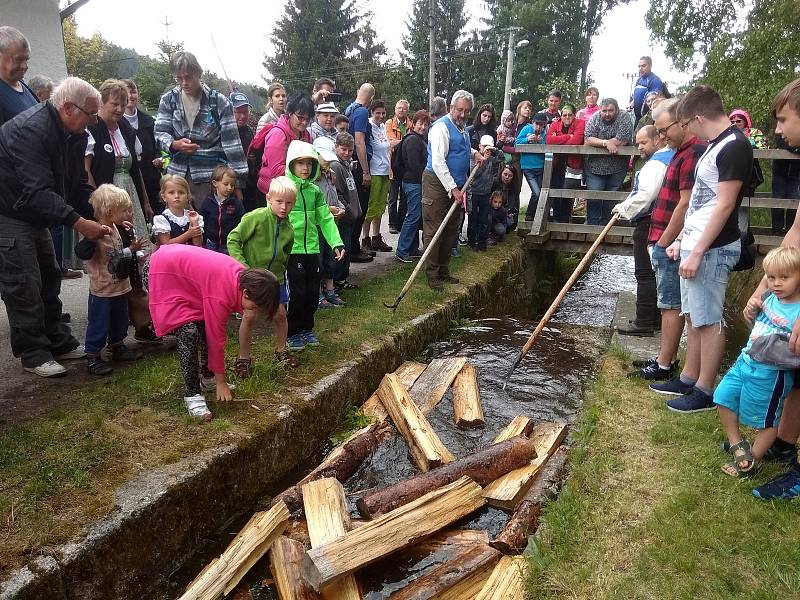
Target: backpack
x=255, y=152
x=397, y=164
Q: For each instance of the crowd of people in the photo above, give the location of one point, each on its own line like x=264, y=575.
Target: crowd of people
x=188, y=217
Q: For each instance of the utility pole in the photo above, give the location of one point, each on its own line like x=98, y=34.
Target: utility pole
x=431, y=55
x=509, y=70
x=166, y=23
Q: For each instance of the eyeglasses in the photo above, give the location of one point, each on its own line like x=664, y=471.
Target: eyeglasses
x=88, y=114
x=664, y=130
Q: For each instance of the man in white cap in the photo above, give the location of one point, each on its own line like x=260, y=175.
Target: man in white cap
x=480, y=192
x=324, y=126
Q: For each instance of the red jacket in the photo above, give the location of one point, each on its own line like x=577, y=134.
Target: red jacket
x=574, y=136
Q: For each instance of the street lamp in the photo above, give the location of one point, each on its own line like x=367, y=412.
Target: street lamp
x=510, y=63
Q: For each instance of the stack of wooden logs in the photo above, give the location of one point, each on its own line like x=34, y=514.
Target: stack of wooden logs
x=319, y=556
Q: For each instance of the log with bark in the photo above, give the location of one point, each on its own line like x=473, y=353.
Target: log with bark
x=426, y=449
x=397, y=529
x=429, y=389
x=513, y=538
x=483, y=467
x=507, y=581
x=467, y=409
x=448, y=574
x=408, y=373
x=285, y=561
x=519, y=426
x=467, y=588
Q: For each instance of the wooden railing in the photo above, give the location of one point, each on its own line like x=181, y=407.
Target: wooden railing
x=540, y=227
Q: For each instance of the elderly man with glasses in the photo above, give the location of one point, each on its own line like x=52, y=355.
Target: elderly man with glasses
x=43, y=184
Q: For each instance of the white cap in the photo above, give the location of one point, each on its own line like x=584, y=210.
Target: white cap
x=325, y=148
x=487, y=140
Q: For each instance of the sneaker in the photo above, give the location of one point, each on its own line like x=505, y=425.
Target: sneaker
x=462, y=241
x=147, y=335
x=652, y=372
x=97, y=366
x=404, y=259
x=416, y=253
x=394, y=230
x=323, y=303
x=638, y=364
x=691, y=402
x=75, y=354
x=47, y=369
x=287, y=358
x=455, y=252
x=197, y=407
x=379, y=245
x=333, y=299
x=121, y=353
x=310, y=338
x=208, y=384
x=344, y=285
x=782, y=487
x=673, y=387
x=296, y=343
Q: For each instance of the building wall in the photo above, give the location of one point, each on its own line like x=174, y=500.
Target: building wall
x=38, y=20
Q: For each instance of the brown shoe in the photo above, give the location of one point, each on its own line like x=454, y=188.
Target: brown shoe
x=379, y=245
x=71, y=274
x=449, y=279
x=436, y=284
x=366, y=246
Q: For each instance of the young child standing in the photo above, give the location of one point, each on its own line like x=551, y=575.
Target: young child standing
x=221, y=210
x=192, y=294
x=753, y=390
x=478, y=226
x=264, y=239
x=533, y=164
x=108, y=263
x=310, y=210
x=177, y=224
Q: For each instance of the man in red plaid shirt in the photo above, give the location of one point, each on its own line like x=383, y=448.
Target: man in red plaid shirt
x=665, y=225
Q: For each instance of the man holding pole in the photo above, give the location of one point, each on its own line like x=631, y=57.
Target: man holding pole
x=449, y=154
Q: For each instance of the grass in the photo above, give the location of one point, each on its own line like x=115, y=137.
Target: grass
x=58, y=473
x=647, y=513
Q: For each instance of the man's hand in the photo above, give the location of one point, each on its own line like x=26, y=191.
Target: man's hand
x=690, y=265
x=224, y=392
x=338, y=253
x=479, y=158
x=612, y=146
x=751, y=310
x=366, y=180
x=185, y=145
x=458, y=196
x=148, y=212
x=320, y=96
x=674, y=250
x=91, y=230
x=336, y=211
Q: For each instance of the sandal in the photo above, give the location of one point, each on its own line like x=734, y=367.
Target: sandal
x=345, y=285
x=742, y=453
x=288, y=358
x=243, y=367
x=197, y=407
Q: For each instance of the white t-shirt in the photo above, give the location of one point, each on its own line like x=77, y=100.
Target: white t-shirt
x=379, y=163
x=191, y=106
x=134, y=122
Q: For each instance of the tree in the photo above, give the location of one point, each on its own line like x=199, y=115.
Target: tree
x=83, y=55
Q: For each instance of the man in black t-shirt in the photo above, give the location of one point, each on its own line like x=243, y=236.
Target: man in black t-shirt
x=15, y=96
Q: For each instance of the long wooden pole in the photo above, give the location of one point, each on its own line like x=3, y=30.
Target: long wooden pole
x=570, y=282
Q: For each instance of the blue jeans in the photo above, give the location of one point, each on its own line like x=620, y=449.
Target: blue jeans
x=408, y=242
x=534, y=179
x=598, y=212
x=108, y=322
x=478, y=226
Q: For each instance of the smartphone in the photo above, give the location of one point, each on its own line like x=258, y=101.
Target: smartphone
x=333, y=97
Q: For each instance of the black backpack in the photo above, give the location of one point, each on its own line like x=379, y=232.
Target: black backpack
x=398, y=165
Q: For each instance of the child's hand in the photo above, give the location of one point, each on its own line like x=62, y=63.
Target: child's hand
x=194, y=218
x=195, y=231
x=336, y=211
x=338, y=253
x=751, y=309
x=223, y=392
x=136, y=245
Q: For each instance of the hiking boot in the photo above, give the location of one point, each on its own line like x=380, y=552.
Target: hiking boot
x=436, y=285
x=673, y=387
x=49, y=368
x=379, y=245
x=296, y=343
x=361, y=257
x=243, y=367
x=97, y=366
x=449, y=279
x=287, y=358
x=366, y=247
x=691, y=402
x=310, y=338
x=147, y=335
x=121, y=353
x=782, y=487
x=634, y=329
x=652, y=372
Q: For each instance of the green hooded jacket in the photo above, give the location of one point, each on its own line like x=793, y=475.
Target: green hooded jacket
x=310, y=210
x=263, y=241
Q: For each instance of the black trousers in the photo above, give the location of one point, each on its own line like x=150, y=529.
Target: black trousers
x=302, y=274
x=363, y=200
x=646, y=309
x=30, y=284
x=397, y=204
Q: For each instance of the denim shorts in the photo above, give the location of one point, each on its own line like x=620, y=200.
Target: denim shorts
x=668, y=282
x=284, y=294
x=703, y=296
x=754, y=392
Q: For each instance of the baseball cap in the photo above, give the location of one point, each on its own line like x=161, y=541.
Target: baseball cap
x=327, y=107
x=487, y=140
x=325, y=148
x=239, y=99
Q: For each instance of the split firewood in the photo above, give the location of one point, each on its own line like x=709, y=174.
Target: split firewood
x=467, y=588
x=483, y=467
x=467, y=408
x=427, y=450
x=507, y=491
x=507, y=581
x=244, y=551
x=513, y=538
x=450, y=573
x=519, y=426
x=325, y=506
x=450, y=541
x=408, y=373
x=285, y=561
x=297, y=530
x=397, y=529
x=429, y=389
x=340, y=464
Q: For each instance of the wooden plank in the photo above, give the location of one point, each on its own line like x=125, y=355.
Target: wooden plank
x=519, y=425
x=507, y=581
x=416, y=520
x=427, y=450
x=591, y=229
x=506, y=491
x=408, y=373
x=432, y=385
x=450, y=538
x=467, y=409
x=328, y=519
x=468, y=588
x=558, y=235
x=244, y=551
x=628, y=150
x=577, y=237
x=613, y=239
x=285, y=561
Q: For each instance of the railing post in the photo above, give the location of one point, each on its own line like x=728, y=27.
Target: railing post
x=543, y=206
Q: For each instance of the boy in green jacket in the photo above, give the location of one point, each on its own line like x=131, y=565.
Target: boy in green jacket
x=263, y=239
x=302, y=270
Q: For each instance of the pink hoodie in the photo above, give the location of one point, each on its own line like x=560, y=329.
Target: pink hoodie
x=187, y=284
x=276, y=145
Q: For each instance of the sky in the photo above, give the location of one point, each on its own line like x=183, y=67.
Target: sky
x=241, y=36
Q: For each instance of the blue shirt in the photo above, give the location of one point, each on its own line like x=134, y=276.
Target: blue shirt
x=13, y=102
x=644, y=85
x=359, y=122
x=527, y=161
x=774, y=317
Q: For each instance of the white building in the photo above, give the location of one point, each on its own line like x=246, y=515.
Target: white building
x=39, y=21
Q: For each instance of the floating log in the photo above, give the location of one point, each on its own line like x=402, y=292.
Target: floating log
x=408, y=373
x=467, y=409
x=507, y=491
x=483, y=467
x=328, y=519
x=429, y=389
x=397, y=529
x=450, y=541
x=514, y=536
x=427, y=450
x=449, y=573
x=506, y=581
x=340, y=464
x=285, y=561
x=518, y=426
x=244, y=551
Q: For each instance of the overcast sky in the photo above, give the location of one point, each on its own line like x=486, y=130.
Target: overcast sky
x=241, y=35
